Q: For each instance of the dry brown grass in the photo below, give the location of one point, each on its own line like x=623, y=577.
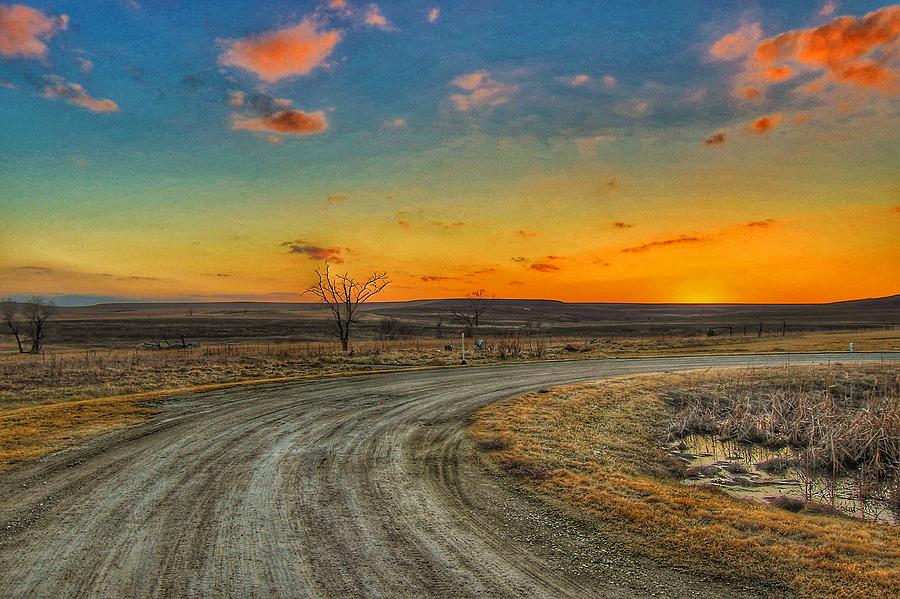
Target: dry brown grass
x=68, y=374
x=71, y=375
x=32, y=432
x=596, y=448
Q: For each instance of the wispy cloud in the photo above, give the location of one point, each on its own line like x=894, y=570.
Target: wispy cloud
x=634, y=108
x=738, y=43
x=433, y=15
x=579, y=80
x=85, y=65
x=525, y=234
x=284, y=122
x=314, y=252
x=828, y=8
x=58, y=88
x=543, y=267
x=274, y=115
x=395, y=124
x=374, y=18
x=716, y=139
x=480, y=90
x=761, y=224
x=680, y=240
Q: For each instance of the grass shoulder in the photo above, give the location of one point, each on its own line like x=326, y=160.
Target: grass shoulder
x=598, y=449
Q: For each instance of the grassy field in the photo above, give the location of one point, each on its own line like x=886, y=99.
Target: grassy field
x=31, y=386
x=597, y=449
x=68, y=374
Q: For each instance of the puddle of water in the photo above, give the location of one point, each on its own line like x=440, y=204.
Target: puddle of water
x=740, y=470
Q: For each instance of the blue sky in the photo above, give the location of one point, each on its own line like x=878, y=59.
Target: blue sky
x=577, y=116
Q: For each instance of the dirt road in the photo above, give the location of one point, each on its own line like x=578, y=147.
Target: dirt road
x=358, y=486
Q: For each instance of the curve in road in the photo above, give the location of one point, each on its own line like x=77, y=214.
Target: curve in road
x=354, y=487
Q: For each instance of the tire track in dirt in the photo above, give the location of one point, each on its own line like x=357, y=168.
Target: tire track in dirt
x=359, y=487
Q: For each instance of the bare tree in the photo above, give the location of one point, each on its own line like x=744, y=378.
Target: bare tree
x=343, y=294
x=477, y=303
x=37, y=313
x=9, y=313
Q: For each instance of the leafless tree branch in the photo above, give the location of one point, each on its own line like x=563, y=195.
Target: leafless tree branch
x=343, y=295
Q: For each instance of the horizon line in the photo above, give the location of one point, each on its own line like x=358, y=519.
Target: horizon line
x=107, y=300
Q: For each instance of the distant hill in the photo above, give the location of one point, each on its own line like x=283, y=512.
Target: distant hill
x=883, y=309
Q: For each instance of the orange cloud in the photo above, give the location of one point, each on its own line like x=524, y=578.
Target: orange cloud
x=542, y=267
x=749, y=93
x=288, y=52
x=866, y=73
x=374, y=18
x=480, y=90
x=437, y=279
x=838, y=46
x=335, y=198
x=73, y=93
x=680, y=240
x=765, y=123
x=527, y=234
x=621, y=225
x=285, y=122
x=736, y=44
x=716, y=139
x=778, y=73
x=579, y=80
x=24, y=30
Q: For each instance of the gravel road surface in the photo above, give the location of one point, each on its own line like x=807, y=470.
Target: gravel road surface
x=359, y=486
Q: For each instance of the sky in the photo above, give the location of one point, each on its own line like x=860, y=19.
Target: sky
x=696, y=151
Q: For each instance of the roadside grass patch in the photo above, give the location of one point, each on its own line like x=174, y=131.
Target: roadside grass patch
x=29, y=433
x=599, y=448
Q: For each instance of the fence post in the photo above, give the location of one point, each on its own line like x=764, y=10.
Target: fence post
x=462, y=345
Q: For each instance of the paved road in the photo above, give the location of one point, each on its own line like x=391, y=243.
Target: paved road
x=358, y=486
